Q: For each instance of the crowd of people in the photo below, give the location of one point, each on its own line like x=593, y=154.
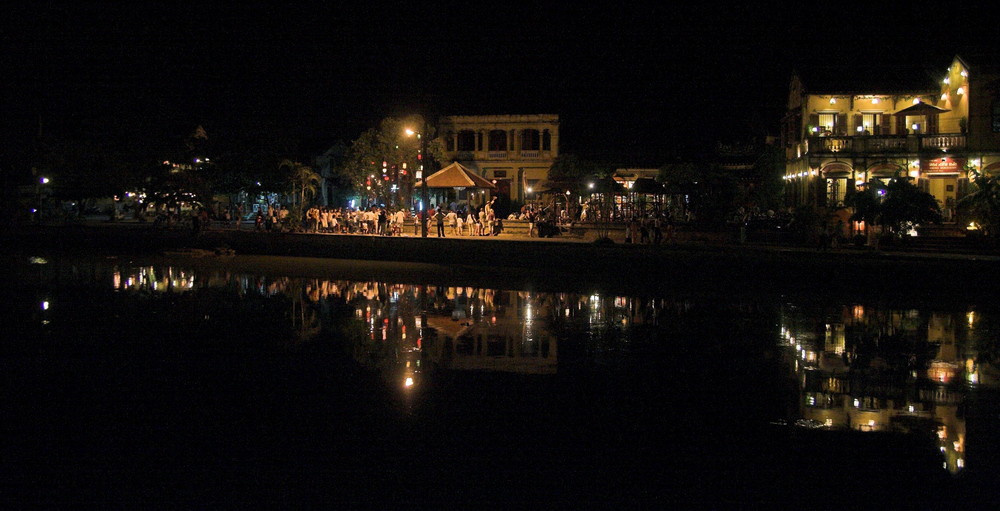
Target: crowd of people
x=441, y=220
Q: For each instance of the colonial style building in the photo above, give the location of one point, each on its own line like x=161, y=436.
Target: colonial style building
x=513, y=151
x=841, y=131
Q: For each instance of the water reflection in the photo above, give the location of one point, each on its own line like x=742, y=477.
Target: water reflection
x=866, y=367
x=884, y=369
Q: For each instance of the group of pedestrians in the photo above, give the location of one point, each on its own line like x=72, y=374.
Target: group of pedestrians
x=464, y=221
x=375, y=220
x=652, y=229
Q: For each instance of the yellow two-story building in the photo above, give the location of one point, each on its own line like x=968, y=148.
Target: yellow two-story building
x=840, y=131
x=513, y=151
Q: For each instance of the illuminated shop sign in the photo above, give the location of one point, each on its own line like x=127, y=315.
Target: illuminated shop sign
x=942, y=165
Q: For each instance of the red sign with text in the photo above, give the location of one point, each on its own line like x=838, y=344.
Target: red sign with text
x=942, y=165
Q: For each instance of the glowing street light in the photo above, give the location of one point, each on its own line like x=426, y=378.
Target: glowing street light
x=424, y=193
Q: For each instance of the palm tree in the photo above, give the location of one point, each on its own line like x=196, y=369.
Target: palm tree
x=303, y=179
x=304, y=183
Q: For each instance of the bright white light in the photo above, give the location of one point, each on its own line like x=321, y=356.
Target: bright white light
x=408, y=382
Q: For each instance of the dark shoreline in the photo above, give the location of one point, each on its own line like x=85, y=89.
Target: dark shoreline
x=741, y=268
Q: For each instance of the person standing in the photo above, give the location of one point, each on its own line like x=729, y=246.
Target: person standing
x=531, y=222
x=383, y=222
x=439, y=218
x=452, y=217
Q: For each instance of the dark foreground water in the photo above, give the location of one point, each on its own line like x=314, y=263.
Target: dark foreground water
x=172, y=384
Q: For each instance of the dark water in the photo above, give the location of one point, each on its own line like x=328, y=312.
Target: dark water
x=166, y=384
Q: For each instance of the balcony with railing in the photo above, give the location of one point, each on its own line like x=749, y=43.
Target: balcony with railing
x=883, y=144
x=499, y=155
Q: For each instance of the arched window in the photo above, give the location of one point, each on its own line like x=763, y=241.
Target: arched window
x=530, y=140
x=466, y=140
x=498, y=140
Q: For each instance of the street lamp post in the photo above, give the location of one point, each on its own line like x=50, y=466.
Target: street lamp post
x=422, y=169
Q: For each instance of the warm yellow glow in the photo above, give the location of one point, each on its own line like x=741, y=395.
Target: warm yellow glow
x=944, y=97
x=408, y=382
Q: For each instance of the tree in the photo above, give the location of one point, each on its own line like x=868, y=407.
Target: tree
x=304, y=183
x=570, y=168
x=896, y=205
x=982, y=206
x=712, y=191
x=362, y=166
x=769, y=169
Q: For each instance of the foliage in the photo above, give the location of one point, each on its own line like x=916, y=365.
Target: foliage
x=570, y=168
x=806, y=224
x=711, y=190
x=895, y=205
x=91, y=167
x=388, y=143
x=982, y=206
x=303, y=184
x=769, y=169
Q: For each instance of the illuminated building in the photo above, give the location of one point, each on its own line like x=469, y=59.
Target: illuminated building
x=515, y=151
x=845, y=127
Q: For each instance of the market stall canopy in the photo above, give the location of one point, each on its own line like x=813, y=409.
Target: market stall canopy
x=921, y=109
x=647, y=185
x=555, y=186
x=607, y=185
x=456, y=176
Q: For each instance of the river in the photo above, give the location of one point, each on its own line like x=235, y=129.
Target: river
x=247, y=381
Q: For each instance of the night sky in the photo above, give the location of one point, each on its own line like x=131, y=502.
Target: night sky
x=632, y=85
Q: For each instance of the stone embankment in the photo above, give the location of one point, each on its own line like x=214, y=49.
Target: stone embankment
x=741, y=268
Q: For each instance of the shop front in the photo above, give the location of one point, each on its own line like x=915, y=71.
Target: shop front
x=940, y=177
